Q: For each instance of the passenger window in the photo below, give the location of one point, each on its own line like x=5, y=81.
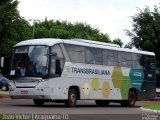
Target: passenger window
x=94, y=56
x=76, y=53
x=148, y=62
x=136, y=60
x=110, y=57
x=125, y=59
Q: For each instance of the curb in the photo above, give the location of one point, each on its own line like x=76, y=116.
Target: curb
x=150, y=110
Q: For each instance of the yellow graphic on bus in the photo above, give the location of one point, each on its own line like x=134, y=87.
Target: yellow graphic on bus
x=95, y=84
x=106, y=89
x=117, y=77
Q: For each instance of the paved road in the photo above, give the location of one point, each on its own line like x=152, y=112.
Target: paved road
x=86, y=110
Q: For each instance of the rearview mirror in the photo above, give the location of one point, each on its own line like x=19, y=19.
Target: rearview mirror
x=53, y=54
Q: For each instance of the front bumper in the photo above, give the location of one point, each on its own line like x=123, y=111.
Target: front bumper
x=29, y=93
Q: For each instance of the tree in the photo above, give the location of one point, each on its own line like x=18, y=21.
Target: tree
x=13, y=27
x=66, y=30
x=145, y=34
x=128, y=45
x=118, y=41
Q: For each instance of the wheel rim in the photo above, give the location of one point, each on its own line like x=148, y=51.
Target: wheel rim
x=4, y=88
x=72, y=98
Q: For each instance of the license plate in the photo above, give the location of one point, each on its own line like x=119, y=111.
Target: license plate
x=24, y=92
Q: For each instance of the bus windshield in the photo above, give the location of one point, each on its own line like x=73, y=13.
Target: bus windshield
x=30, y=61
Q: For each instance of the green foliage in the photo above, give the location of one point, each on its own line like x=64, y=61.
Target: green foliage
x=145, y=34
x=13, y=28
x=118, y=41
x=128, y=45
x=66, y=30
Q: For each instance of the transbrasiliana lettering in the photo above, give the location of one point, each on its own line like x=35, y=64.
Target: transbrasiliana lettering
x=90, y=71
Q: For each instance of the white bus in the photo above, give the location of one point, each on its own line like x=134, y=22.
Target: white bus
x=58, y=70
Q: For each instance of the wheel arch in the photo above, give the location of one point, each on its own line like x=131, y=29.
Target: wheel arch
x=77, y=90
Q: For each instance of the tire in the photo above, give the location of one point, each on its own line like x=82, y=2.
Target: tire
x=132, y=97
x=72, y=98
x=38, y=102
x=4, y=88
x=102, y=103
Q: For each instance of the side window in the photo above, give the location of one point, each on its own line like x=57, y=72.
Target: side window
x=76, y=53
x=57, y=49
x=89, y=57
x=152, y=63
x=94, y=56
x=147, y=62
x=110, y=57
x=57, y=62
x=136, y=60
x=125, y=59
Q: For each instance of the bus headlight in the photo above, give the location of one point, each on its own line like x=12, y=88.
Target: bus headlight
x=41, y=80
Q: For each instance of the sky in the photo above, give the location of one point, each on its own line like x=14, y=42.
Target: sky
x=109, y=16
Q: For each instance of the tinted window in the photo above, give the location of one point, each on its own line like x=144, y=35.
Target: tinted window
x=76, y=53
x=147, y=62
x=94, y=56
x=57, y=49
x=109, y=57
x=125, y=59
x=136, y=60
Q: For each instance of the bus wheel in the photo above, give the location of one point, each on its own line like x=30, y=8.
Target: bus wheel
x=72, y=98
x=38, y=102
x=102, y=103
x=132, y=97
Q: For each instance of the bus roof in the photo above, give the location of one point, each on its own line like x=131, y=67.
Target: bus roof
x=90, y=43
x=42, y=41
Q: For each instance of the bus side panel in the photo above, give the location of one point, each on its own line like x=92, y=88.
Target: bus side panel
x=98, y=82
x=103, y=82
x=58, y=88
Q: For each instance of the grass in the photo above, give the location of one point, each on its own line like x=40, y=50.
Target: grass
x=153, y=107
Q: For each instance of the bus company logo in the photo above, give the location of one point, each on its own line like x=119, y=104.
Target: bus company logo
x=90, y=71
x=137, y=74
